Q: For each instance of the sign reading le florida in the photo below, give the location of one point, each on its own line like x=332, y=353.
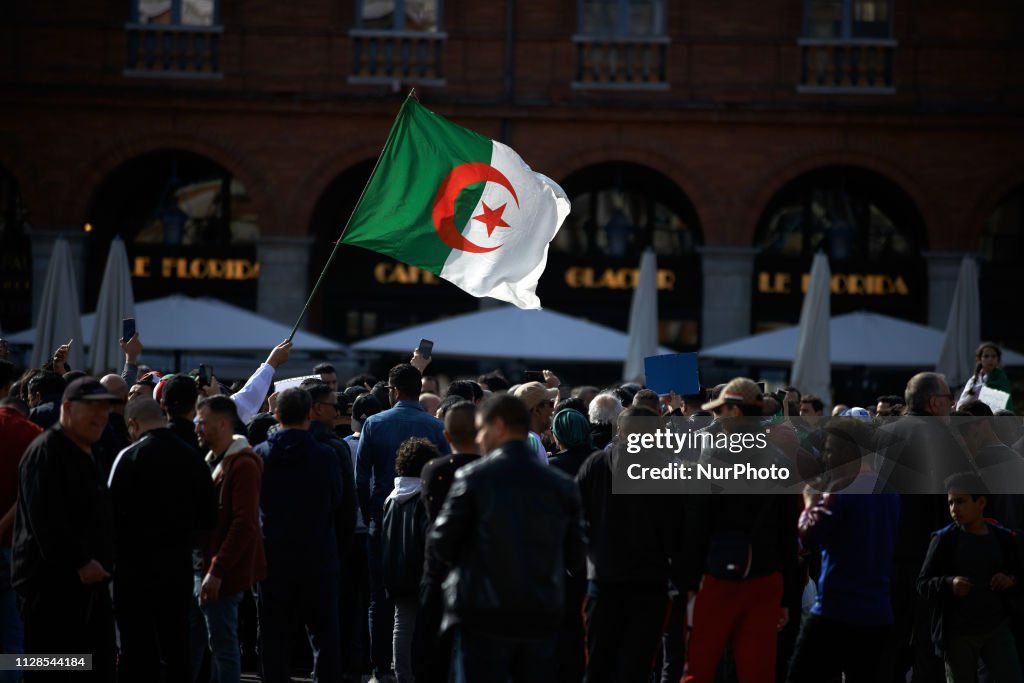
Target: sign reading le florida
x=195, y=268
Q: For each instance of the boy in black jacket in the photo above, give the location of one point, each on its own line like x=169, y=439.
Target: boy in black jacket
x=969, y=569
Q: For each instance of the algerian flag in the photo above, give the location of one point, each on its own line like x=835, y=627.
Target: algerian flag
x=463, y=207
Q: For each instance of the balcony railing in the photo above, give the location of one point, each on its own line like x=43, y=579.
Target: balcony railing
x=846, y=66
x=173, y=50
x=397, y=56
x=624, y=63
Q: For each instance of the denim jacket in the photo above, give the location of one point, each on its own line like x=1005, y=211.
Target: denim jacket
x=379, y=440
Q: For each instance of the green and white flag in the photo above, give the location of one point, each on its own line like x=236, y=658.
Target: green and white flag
x=463, y=207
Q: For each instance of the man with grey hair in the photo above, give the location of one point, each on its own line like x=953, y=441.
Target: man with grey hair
x=162, y=496
x=602, y=413
x=928, y=394
x=916, y=454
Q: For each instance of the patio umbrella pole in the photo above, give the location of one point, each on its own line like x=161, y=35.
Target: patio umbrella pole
x=330, y=259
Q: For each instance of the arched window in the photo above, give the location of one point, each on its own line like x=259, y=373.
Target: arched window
x=1001, y=247
x=1003, y=239
x=175, y=198
x=188, y=224
x=848, y=212
x=868, y=227
x=619, y=208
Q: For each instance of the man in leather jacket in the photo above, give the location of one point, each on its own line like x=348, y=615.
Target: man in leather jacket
x=510, y=528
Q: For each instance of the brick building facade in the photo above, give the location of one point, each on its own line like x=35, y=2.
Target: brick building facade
x=736, y=137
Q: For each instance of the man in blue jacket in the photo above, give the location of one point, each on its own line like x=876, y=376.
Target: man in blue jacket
x=300, y=496
x=379, y=440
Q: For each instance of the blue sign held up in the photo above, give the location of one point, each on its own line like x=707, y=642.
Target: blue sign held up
x=673, y=372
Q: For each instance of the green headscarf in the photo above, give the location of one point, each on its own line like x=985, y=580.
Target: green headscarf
x=571, y=428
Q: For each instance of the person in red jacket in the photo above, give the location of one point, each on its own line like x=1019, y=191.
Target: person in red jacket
x=233, y=557
x=16, y=433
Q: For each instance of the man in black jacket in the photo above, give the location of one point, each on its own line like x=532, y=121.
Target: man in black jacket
x=510, y=528
x=63, y=540
x=431, y=649
x=321, y=427
x=635, y=544
x=162, y=498
x=917, y=452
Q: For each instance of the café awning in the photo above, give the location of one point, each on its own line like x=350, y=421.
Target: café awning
x=511, y=333
x=861, y=338
x=181, y=323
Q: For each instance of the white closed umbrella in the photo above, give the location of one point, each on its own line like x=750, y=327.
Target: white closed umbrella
x=963, y=327
x=59, y=313
x=812, y=366
x=116, y=302
x=643, y=319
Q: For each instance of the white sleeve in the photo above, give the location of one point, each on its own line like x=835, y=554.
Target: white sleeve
x=970, y=392
x=249, y=398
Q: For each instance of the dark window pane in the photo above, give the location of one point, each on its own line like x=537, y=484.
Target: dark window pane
x=824, y=18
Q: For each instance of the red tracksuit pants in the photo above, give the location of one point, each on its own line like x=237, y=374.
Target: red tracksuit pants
x=743, y=613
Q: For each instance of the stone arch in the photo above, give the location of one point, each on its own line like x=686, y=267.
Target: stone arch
x=310, y=190
x=775, y=179
x=620, y=206
x=995, y=192
x=230, y=157
x=687, y=181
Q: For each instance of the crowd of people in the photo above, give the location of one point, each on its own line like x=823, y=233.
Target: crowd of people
x=420, y=529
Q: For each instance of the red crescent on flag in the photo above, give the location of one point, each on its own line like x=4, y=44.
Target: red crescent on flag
x=444, y=203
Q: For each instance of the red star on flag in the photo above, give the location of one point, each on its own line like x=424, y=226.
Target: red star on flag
x=492, y=218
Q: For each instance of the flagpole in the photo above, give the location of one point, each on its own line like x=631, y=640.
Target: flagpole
x=337, y=243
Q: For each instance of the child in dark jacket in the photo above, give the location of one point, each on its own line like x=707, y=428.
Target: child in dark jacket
x=970, y=568
x=403, y=539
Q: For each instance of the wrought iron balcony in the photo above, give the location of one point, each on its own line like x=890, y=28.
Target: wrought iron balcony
x=397, y=56
x=173, y=50
x=621, y=63
x=846, y=66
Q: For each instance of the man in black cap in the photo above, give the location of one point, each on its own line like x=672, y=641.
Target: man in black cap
x=162, y=497
x=63, y=538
